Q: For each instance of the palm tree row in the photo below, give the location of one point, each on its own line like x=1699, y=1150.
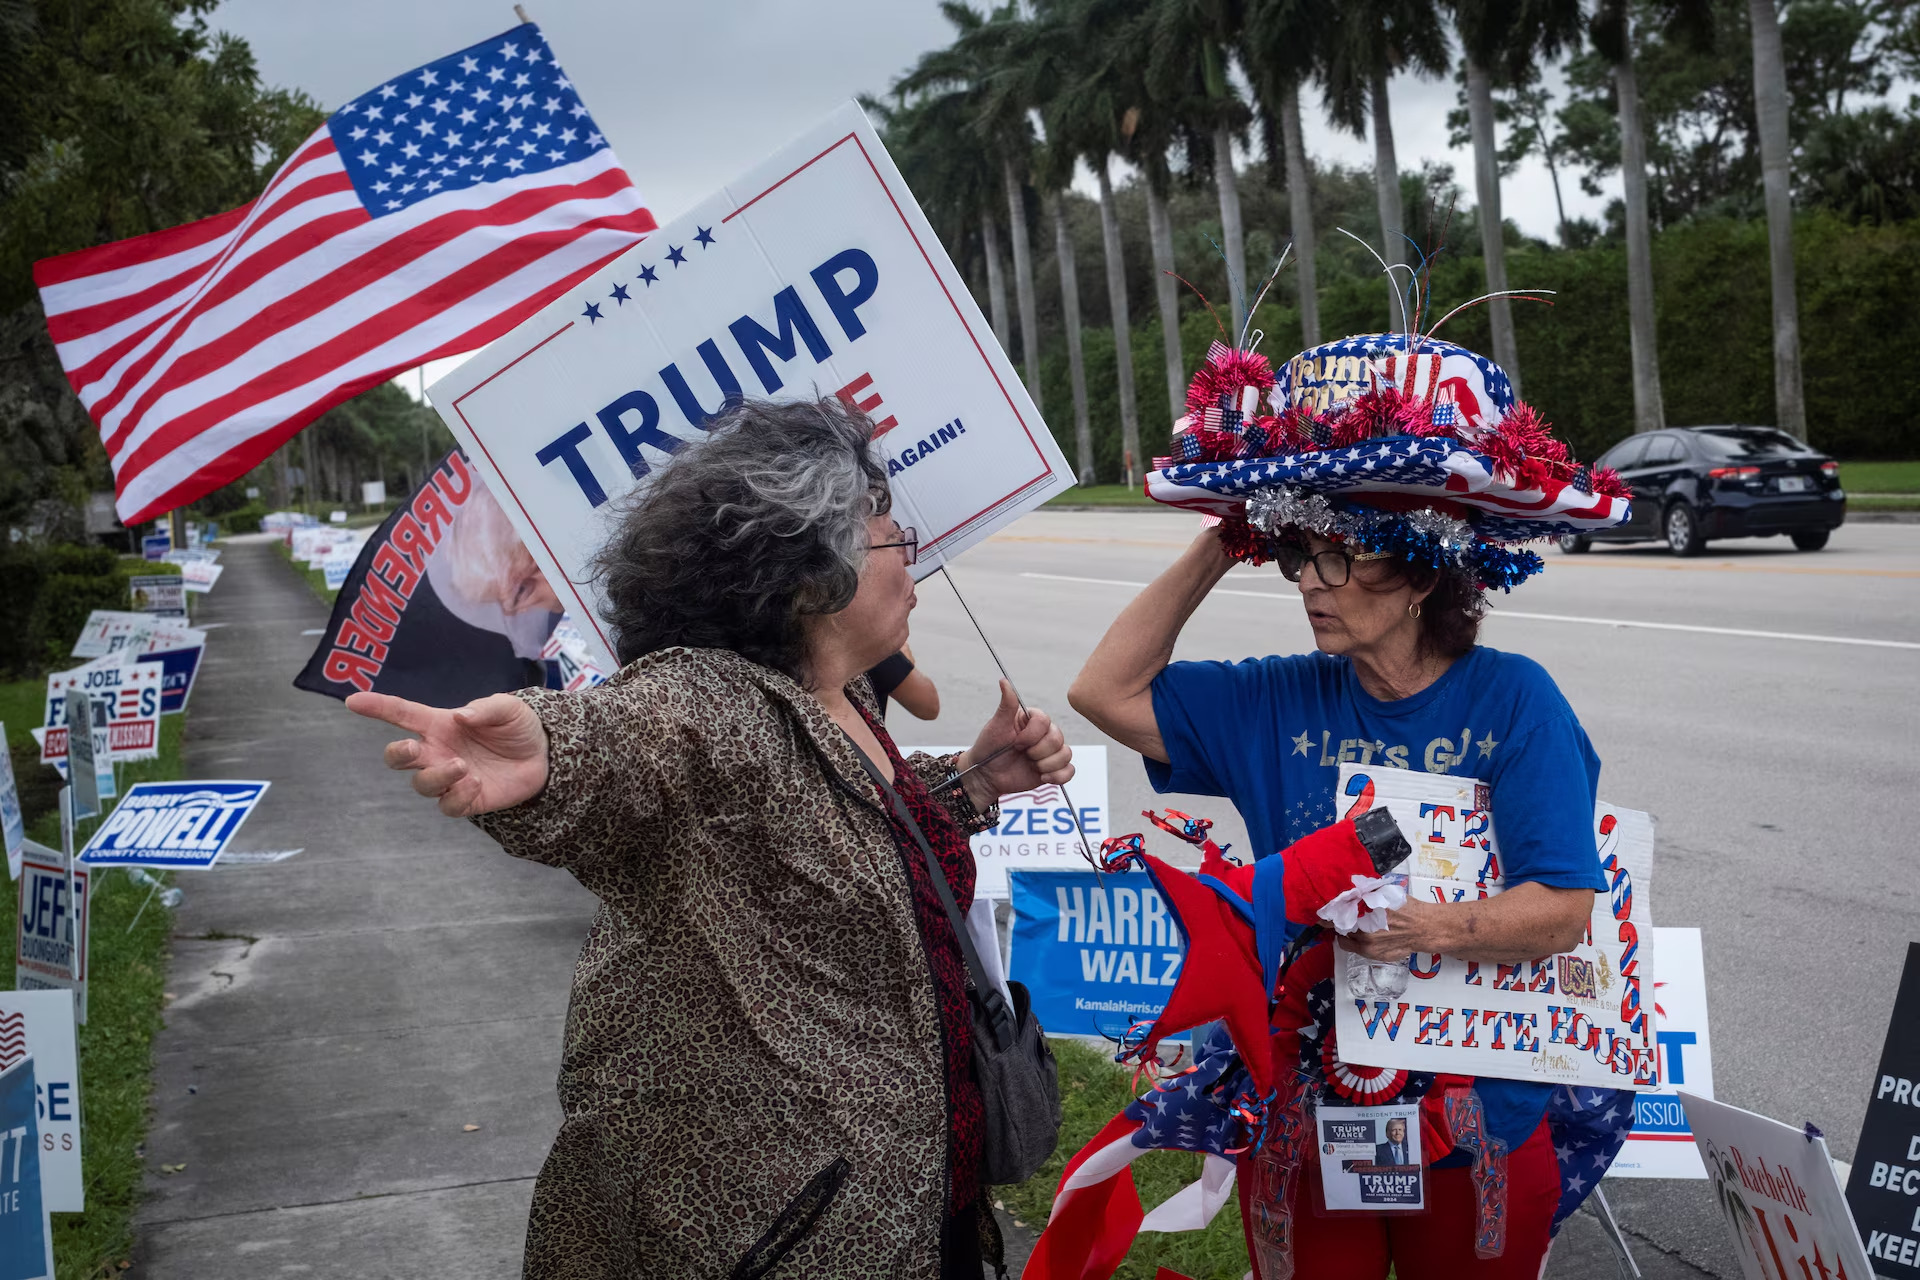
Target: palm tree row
x=1028, y=92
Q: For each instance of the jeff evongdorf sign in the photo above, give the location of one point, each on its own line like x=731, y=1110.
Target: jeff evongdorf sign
x=814, y=274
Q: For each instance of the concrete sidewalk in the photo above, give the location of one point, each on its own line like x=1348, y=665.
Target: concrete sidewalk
x=340, y=1017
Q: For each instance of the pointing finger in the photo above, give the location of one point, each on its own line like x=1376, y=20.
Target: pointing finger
x=398, y=712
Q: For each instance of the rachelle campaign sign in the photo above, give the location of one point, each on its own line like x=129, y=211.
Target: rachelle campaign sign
x=1036, y=829
x=814, y=274
x=1778, y=1194
x=1660, y=1144
x=1097, y=953
x=179, y=825
x=1582, y=1018
x=1884, y=1187
x=40, y=1023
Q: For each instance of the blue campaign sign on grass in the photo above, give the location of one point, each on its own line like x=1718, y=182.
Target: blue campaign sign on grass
x=1097, y=953
x=182, y=825
x=177, y=668
x=156, y=545
x=26, y=1246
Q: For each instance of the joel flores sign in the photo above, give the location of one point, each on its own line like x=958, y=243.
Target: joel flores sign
x=814, y=274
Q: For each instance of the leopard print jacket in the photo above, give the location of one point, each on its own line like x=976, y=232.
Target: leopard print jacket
x=752, y=1079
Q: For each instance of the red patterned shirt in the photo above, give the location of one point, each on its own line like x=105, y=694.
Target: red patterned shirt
x=966, y=1112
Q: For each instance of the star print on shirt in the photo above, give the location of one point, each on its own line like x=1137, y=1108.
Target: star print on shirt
x=648, y=276
x=592, y=313
x=1303, y=744
x=705, y=237
x=1486, y=745
x=619, y=294
x=676, y=255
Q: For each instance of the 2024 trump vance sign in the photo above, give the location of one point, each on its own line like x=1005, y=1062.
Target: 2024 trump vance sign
x=815, y=274
x=1585, y=1017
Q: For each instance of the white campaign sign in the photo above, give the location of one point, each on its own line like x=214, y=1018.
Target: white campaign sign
x=41, y=1023
x=814, y=274
x=126, y=703
x=1661, y=1144
x=13, y=827
x=1036, y=828
x=1583, y=1018
x=1778, y=1193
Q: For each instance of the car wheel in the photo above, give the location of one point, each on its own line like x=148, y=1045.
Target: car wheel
x=1683, y=530
x=1574, y=543
x=1812, y=540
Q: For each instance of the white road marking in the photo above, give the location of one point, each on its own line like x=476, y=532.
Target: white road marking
x=314, y=631
x=1542, y=617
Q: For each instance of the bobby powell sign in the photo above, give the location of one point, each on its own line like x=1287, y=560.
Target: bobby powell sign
x=814, y=274
x=1584, y=1018
x=180, y=825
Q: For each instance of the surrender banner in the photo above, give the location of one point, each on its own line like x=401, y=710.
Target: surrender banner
x=814, y=274
x=443, y=604
x=1582, y=1018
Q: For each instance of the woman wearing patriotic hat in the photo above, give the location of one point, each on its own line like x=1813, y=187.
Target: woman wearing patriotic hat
x=1395, y=479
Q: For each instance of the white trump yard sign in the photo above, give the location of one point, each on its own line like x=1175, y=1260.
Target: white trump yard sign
x=815, y=274
x=1584, y=1018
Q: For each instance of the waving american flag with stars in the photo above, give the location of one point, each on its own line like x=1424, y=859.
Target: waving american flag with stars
x=423, y=219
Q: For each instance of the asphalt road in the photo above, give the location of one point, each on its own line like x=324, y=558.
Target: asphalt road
x=1772, y=765
x=341, y=1018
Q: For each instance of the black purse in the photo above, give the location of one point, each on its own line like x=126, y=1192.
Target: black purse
x=1019, y=1081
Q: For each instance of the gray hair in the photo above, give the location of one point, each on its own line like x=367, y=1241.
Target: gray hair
x=745, y=533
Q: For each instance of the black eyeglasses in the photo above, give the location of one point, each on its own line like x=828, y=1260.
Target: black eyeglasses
x=1334, y=565
x=909, y=542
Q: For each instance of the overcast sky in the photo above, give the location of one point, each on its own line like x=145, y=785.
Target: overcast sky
x=693, y=92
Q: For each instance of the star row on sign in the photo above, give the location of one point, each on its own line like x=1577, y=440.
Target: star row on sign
x=650, y=274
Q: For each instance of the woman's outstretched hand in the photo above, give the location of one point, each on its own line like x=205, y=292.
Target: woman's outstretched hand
x=490, y=754
x=1039, y=753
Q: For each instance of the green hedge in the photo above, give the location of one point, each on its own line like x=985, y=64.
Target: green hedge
x=46, y=594
x=1713, y=304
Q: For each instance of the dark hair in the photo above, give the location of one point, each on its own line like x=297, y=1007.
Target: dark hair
x=745, y=533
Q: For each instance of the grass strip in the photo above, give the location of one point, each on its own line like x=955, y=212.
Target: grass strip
x=1102, y=495
x=1093, y=1091
x=1880, y=477
x=316, y=578
x=126, y=980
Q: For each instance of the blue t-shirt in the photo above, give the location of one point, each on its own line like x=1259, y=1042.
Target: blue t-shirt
x=1270, y=735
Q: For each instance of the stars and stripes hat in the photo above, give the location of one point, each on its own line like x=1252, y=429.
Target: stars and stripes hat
x=1395, y=442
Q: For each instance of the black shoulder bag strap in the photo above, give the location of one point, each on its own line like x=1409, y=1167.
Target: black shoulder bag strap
x=984, y=990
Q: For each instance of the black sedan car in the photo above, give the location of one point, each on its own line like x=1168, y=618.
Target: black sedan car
x=1694, y=484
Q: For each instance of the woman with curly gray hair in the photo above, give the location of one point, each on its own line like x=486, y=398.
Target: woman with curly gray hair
x=768, y=1051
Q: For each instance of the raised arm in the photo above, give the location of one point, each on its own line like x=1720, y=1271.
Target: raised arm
x=1115, y=687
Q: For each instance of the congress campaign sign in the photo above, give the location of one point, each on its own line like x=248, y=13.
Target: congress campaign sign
x=167, y=642
x=1036, y=828
x=26, y=1240
x=1661, y=1144
x=126, y=698
x=1583, y=1018
x=816, y=273
x=182, y=825
x=51, y=936
x=1097, y=953
x=40, y=1023
x=1779, y=1195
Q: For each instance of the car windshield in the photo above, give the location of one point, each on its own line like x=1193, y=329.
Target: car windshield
x=1747, y=442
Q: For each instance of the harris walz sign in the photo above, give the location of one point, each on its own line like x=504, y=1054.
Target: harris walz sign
x=444, y=604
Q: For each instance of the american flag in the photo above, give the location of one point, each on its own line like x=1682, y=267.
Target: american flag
x=423, y=219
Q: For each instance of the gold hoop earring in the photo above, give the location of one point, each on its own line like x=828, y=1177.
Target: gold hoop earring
x=1413, y=610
